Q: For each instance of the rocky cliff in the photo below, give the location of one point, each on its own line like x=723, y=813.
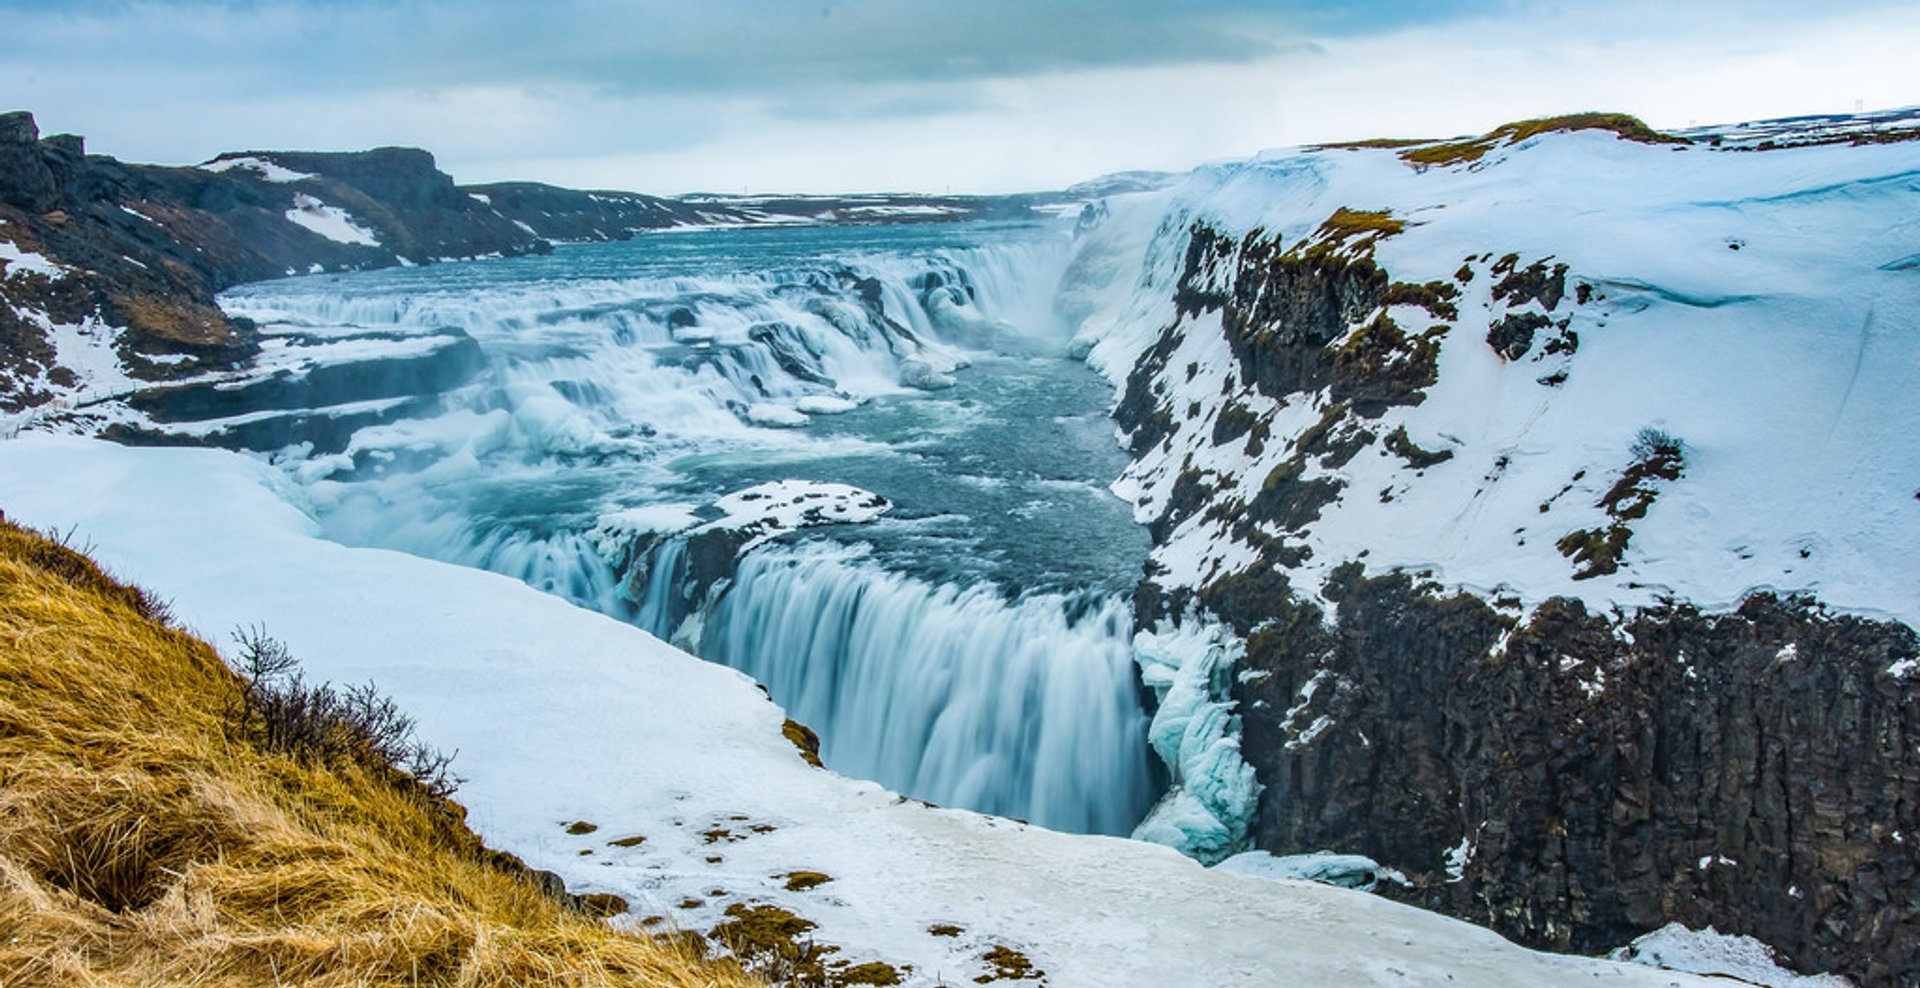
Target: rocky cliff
x=1531, y=492
x=110, y=270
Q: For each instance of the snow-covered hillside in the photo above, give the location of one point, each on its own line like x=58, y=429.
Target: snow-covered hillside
x=1761, y=309
x=596, y=751
x=1560, y=488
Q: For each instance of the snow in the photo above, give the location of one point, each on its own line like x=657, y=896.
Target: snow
x=88, y=350
x=1458, y=857
x=1784, y=365
x=331, y=222
x=24, y=262
x=281, y=352
x=825, y=404
x=767, y=510
x=1708, y=952
x=1354, y=871
x=267, y=170
x=648, y=519
x=777, y=416
x=560, y=714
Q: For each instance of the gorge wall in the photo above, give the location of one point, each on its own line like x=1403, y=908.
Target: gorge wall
x=1594, y=745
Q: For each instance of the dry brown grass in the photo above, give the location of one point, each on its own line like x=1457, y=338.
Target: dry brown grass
x=1621, y=125
x=140, y=845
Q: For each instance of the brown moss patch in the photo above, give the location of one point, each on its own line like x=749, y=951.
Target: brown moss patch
x=600, y=904
x=171, y=319
x=870, y=973
x=1008, y=964
x=1418, y=458
x=800, y=881
x=1351, y=232
x=803, y=738
x=1624, y=126
x=1435, y=296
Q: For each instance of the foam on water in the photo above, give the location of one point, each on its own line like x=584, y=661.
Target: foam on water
x=964, y=657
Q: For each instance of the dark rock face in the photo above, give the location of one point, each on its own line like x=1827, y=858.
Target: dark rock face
x=25, y=180
x=145, y=249
x=566, y=214
x=1754, y=771
x=1571, y=779
x=308, y=402
x=1286, y=306
x=402, y=178
x=1512, y=336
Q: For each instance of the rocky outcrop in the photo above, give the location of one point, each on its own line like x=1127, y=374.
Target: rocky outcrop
x=1575, y=779
x=567, y=214
x=140, y=251
x=25, y=180
x=1568, y=777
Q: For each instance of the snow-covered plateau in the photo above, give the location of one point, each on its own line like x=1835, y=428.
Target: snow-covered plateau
x=561, y=715
x=1760, y=309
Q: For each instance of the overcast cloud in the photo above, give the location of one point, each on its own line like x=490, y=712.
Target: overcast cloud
x=974, y=95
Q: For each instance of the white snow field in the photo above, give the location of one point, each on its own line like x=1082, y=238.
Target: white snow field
x=1762, y=307
x=562, y=715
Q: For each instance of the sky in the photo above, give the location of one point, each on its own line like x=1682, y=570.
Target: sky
x=975, y=96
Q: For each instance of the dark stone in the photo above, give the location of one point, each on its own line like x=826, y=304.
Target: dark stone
x=600, y=905
x=1534, y=283
x=437, y=370
x=25, y=180
x=1235, y=420
x=789, y=351
x=1512, y=336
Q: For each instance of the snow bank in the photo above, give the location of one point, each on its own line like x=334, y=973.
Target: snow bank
x=331, y=222
x=764, y=511
x=1354, y=871
x=1710, y=952
x=268, y=170
x=24, y=262
x=563, y=715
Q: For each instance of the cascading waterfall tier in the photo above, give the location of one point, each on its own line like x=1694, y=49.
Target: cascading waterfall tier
x=1023, y=708
x=642, y=381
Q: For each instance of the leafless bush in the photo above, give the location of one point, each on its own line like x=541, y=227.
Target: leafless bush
x=1657, y=444
x=285, y=713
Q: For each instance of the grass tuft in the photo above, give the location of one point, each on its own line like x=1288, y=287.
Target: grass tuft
x=143, y=842
x=1622, y=125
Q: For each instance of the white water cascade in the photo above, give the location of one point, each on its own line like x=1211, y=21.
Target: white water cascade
x=1023, y=708
x=639, y=376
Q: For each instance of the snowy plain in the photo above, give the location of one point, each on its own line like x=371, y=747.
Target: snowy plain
x=563, y=715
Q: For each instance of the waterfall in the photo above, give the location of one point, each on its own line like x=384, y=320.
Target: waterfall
x=639, y=376
x=952, y=695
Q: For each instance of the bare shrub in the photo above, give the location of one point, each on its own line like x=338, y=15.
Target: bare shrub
x=283, y=711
